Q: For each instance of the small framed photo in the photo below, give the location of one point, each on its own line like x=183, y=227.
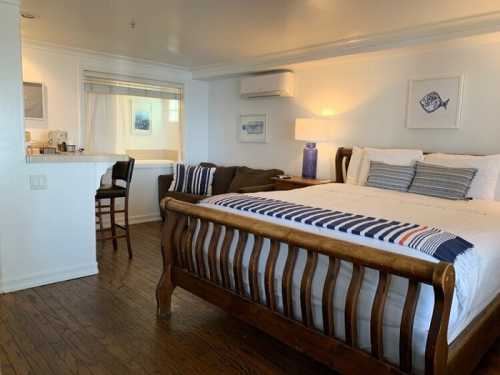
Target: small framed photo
x=142, y=117
x=434, y=103
x=252, y=128
x=34, y=101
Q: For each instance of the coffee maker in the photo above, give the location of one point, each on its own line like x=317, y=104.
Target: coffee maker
x=58, y=139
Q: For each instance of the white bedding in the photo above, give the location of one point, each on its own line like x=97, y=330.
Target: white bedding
x=477, y=281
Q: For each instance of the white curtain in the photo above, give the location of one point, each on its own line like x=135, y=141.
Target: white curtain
x=108, y=125
x=124, y=122
x=101, y=124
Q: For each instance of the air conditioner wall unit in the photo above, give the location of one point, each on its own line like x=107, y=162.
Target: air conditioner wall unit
x=268, y=85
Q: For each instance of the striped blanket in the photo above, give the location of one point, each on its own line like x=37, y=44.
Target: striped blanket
x=433, y=241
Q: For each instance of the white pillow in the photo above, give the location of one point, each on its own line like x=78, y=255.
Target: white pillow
x=388, y=156
x=484, y=184
x=354, y=165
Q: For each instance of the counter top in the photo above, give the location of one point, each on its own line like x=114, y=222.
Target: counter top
x=76, y=157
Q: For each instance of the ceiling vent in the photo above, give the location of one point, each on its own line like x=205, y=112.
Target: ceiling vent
x=267, y=85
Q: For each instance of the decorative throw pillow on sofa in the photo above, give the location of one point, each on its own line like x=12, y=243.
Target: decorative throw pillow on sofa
x=192, y=179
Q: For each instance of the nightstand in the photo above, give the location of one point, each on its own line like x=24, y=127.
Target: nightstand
x=295, y=182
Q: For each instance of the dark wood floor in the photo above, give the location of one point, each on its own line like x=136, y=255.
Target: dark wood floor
x=107, y=325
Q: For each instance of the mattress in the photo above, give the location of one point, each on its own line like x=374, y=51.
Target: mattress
x=476, y=221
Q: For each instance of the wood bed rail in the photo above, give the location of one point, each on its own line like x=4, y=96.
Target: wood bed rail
x=196, y=243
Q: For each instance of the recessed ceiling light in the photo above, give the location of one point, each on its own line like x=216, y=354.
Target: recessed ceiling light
x=28, y=16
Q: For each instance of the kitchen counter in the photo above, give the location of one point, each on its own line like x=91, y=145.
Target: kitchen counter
x=76, y=157
x=61, y=225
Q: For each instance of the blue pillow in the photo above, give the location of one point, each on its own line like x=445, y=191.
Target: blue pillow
x=442, y=182
x=388, y=176
x=192, y=179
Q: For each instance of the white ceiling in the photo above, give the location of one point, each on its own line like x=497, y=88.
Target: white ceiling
x=198, y=33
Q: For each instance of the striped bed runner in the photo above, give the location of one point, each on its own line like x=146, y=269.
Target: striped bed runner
x=433, y=241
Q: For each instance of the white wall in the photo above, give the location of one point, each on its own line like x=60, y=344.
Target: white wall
x=45, y=235
x=367, y=95
x=15, y=219
x=144, y=194
x=195, y=138
x=59, y=72
x=53, y=235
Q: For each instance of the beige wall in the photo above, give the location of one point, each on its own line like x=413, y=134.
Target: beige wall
x=365, y=97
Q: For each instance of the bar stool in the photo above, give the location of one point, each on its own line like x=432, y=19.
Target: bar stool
x=122, y=171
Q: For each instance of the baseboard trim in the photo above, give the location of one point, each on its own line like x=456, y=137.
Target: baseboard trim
x=137, y=219
x=44, y=278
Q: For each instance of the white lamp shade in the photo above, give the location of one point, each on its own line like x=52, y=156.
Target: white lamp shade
x=312, y=130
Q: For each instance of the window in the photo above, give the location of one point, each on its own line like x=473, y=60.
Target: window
x=173, y=110
x=139, y=119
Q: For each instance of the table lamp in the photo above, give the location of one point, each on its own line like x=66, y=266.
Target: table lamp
x=312, y=131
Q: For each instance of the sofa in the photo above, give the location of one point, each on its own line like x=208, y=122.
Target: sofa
x=226, y=180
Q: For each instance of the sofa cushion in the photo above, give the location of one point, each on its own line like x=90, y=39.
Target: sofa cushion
x=222, y=178
x=251, y=177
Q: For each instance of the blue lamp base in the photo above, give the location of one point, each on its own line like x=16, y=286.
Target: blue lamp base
x=309, y=160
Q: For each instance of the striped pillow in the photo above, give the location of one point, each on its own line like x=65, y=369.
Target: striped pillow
x=192, y=179
x=442, y=182
x=388, y=176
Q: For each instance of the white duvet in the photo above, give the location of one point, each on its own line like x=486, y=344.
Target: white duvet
x=477, y=277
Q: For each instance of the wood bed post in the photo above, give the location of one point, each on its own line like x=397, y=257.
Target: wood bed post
x=166, y=285
x=436, y=351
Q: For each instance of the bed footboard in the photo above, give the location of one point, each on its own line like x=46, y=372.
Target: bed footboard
x=187, y=263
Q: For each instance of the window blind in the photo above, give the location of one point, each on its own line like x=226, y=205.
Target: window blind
x=105, y=84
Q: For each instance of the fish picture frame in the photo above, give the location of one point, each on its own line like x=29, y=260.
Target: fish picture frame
x=252, y=128
x=434, y=103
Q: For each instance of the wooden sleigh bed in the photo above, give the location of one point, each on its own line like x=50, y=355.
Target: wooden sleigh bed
x=212, y=283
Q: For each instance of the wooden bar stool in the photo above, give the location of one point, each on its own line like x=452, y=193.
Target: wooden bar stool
x=122, y=171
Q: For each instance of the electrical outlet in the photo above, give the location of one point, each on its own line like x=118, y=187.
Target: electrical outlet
x=38, y=182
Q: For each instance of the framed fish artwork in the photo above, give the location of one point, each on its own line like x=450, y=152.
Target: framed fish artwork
x=434, y=103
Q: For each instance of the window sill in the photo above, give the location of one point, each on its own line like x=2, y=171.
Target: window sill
x=148, y=164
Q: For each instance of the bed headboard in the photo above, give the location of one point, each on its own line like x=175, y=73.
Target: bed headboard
x=342, y=159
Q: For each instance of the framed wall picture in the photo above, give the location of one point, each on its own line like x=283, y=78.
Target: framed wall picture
x=252, y=128
x=142, y=117
x=34, y=101
x=434, y=103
